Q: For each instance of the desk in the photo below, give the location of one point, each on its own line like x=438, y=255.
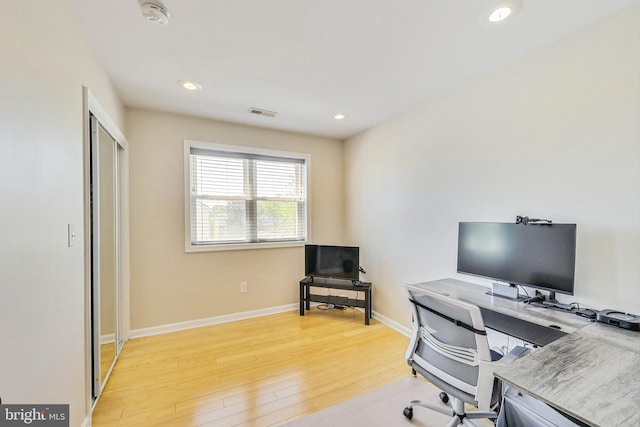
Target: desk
x=536, y=325
x=306, y=297
x=592, y=373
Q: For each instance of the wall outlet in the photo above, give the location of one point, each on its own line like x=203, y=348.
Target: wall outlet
x=243, y=286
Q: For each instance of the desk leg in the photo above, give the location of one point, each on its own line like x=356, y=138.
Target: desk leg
x=367, y=306
x=302, y=298
x=307, y=297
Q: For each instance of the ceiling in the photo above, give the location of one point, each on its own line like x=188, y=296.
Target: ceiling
x=309, y=60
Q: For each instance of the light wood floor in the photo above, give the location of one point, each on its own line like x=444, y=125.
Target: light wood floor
x=256, y=372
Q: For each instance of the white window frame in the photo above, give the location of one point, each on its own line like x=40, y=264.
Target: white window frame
x=188, y=144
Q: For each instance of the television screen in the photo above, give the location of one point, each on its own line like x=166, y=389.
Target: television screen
x=338, y=262
x=537, y=255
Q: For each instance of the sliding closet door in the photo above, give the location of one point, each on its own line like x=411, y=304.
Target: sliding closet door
x=104, y=252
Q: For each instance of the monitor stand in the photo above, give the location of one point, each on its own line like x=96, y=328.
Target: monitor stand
x=551, y=301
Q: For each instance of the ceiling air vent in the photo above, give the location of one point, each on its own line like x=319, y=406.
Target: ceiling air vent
x=262, y=112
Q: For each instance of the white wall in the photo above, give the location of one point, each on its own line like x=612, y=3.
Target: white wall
x=169, y=285
x=44, y=63
x=555, y=135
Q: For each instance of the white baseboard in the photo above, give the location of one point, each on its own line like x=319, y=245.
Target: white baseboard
x=190, y=324
x=107, y=338
x=404, y=330
x=86, y=422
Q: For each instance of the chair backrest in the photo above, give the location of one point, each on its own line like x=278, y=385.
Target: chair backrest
x=449, y=342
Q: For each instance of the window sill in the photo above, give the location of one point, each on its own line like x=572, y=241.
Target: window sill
x=243, y=246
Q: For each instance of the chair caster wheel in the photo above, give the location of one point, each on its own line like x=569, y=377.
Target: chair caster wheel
x=408, y=413
x=444, y=397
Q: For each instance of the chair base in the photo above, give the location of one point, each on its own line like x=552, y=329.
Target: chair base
x=455, y=409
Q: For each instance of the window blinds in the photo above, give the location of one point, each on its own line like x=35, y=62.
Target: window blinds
x=238, y=197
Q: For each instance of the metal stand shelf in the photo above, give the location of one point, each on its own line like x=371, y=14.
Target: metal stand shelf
x=306, y=297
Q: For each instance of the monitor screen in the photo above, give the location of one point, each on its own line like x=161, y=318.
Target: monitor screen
x=537, y=255
x=338, y=262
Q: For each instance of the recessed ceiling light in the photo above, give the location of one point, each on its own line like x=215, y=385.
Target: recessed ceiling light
x=503, y=10
x=340, y=116
x=500, y=14
x=189, y=85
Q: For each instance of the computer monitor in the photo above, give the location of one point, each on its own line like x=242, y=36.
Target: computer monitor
x=541, y=256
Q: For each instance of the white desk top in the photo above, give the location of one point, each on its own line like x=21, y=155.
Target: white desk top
x=611, y=335
x=589, y=378
x=476, y=294
x=592, y=374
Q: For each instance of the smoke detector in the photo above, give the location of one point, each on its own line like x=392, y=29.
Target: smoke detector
x=155, y=12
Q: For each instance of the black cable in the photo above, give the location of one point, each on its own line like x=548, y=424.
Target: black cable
x=524, y=290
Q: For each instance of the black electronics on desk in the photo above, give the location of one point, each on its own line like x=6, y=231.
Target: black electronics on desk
x=619, y=319
x=587, y=313
x=332, y=262
x=540, y=256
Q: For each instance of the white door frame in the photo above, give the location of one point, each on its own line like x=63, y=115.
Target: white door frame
x=92, y=107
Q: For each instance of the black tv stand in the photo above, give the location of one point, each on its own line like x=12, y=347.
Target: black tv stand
x=306, y=297
x=353, y=282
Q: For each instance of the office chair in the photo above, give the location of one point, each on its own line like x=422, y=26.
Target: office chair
x=449, y=348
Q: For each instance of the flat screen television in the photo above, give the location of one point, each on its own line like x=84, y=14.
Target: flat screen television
x=541, y=256
x=335, y=262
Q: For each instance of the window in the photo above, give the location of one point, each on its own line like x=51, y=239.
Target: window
x=239, y=196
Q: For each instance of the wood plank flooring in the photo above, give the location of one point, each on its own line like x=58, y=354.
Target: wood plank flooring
x=257, y=372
